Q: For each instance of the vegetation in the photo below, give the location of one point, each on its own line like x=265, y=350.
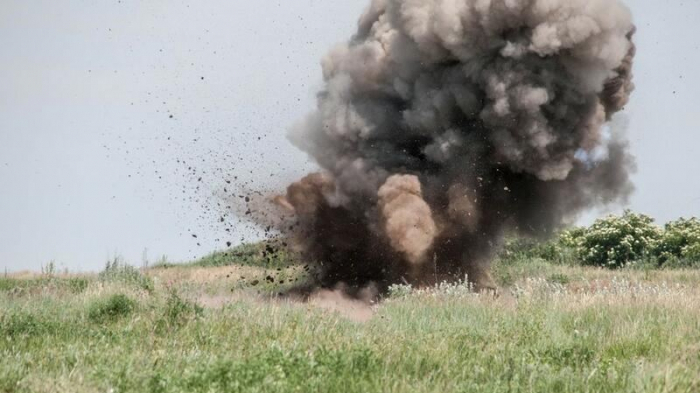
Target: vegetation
x=615, y=242
x=39, y=284
x=111, y=308
x=680, y=243
x=117, y=271
x=554, y=328
x=612, y=242
x=269, y=254
x=558, y=324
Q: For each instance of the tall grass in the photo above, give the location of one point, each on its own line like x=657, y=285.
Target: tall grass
x=554, y=328
x=118, y=271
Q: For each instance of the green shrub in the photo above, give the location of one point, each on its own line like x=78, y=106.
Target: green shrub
x=614, y=241
x=572, y=237
x=179, y=311
x=631, y=240
x=21, y=324
x=679, y=245
x=692, y=253
x=118, y=271
x=520, y=249
x=111, y=309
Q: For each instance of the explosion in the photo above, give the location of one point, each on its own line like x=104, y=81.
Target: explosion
x=444, y=124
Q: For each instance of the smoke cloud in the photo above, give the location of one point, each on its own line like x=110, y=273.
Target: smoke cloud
x=444, y=124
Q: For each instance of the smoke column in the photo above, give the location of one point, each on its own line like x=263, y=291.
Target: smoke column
x=444, y=124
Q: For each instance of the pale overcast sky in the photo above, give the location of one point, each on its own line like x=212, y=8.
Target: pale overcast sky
x=105, y=105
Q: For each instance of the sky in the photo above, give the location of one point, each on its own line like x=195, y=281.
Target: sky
x=121, y=122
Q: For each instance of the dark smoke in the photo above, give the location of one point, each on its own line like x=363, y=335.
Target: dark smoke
x=444, y=124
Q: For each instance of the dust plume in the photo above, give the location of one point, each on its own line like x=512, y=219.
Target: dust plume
x=444, y=124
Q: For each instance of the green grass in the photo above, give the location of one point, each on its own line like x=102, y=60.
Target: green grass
x=554, y=328
x=111, y=309
x=117, y=271
x=268, y=254
x=74, y=284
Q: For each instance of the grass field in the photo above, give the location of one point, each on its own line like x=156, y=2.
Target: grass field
x=208, y=329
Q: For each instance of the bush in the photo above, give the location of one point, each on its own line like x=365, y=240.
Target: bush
x=679, y=245
x=523, y=249
x=118, y=271
x=111, y=309
x=630, y=240
x=614, y=241
x=692, y=254
x=572, y=238
x=560, y=250
x=21, y=324
x=179, y=311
